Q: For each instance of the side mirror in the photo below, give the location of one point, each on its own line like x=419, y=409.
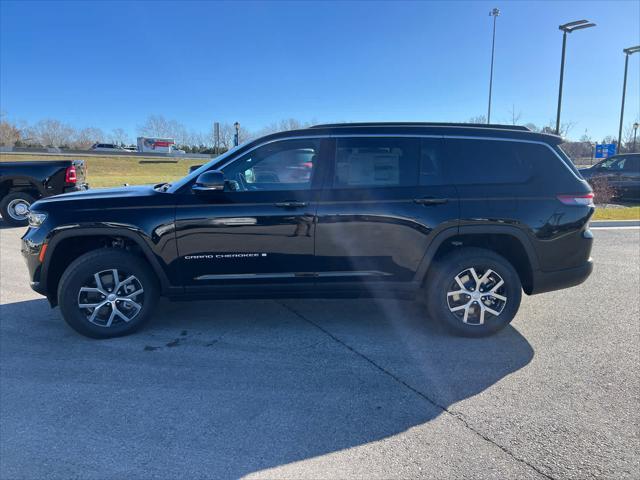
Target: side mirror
x=193, y=168
x=211, y=181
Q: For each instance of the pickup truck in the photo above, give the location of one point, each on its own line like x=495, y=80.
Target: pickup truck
x=22, y=183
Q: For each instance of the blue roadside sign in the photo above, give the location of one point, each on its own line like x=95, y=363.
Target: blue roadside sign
x=605, y=150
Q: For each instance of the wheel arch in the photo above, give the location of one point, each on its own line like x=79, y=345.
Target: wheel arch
x=506, y=240
x=21, y=184
x=77, y=242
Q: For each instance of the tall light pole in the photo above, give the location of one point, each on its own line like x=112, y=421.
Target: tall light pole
x=635, y=132
x=495, y=13
x=567, y=28
x=236, y=136
x=627, y=52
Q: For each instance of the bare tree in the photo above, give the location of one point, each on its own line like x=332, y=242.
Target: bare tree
x=227, y=134
x=479, y=119
x=158, y=126
x=119, y=137
x=284, y=126
x=9, y=133
x=51, y=133
x=515, y=116
x=86, y=137
x=564, y=128
x=627, y=138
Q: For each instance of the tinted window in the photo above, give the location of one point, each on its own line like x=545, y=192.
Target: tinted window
x=492, y=161
x=285, y=165
x=632, y=164
x=432, y=162
x=376, y=162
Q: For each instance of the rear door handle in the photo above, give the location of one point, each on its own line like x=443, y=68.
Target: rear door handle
x=430, y=201
x=290, y=204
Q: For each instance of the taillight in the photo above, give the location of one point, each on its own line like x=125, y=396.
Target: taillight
x=577, y=200
x=70, y=176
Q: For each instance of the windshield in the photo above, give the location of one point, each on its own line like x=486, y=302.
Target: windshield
x=207, y=166
x=607, y=163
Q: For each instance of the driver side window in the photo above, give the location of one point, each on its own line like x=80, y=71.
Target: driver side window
x=284, y=165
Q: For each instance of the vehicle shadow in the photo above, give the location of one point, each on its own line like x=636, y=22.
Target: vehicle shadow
x=4, y=225
x=224, y=389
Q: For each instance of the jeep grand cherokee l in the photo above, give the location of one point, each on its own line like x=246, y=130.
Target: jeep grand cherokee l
x=463, y=217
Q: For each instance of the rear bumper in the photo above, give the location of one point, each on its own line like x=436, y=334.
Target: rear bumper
x=559, y=279
x=76, y=188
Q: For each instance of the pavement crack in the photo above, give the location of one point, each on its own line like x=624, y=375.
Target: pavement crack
x=456, y=416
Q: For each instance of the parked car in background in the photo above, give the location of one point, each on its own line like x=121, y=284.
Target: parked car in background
x=622, y=173
x=22, y=183
x=462, y=217
x=107, y=147
x=131, y=148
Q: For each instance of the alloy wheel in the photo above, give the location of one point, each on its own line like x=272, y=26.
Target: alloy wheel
x=475, y=295
x=18, y=209
x=111, y=297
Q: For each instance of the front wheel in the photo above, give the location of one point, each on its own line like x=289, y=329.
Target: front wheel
x=14, y=208
x=475, y=291
x=107, y=293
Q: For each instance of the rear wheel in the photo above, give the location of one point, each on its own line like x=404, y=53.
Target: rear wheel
x=476, y=292
x=107, y=293
x=14, y=208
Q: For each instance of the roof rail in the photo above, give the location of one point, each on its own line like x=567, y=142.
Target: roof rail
x=494, y=126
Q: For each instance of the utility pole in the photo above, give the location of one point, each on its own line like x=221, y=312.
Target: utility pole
x=493, y=13
x=236, y=137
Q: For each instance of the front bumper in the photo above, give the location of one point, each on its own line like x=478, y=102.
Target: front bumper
x=559, y=279
x=31, y=247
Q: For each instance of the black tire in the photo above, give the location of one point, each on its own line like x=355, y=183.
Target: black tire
x=81, y=273
x=441, y=279
x=6, y=204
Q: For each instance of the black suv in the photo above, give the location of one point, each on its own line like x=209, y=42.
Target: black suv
x=463, y=217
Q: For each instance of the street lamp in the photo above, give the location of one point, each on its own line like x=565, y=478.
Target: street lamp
x=627, y=52
x=635, y=131
x=236, y=137
x=567, y=28
x=493, y=13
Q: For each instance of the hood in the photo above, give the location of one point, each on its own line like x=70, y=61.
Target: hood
x=97, y=195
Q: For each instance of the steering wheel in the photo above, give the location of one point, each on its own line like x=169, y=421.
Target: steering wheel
x=244, y=185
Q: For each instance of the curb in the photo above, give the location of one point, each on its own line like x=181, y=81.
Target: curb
x=615, y=223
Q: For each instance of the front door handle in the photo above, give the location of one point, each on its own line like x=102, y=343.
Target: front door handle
x=430, y=201
x=290, y=204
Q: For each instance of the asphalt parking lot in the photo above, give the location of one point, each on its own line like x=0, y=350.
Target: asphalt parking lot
x=327, y=388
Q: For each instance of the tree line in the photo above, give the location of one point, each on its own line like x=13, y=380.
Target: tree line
x=55, y=133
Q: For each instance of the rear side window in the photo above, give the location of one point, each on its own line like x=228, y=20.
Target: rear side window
x=490, y=161
x=376, y=162
x=432, y=162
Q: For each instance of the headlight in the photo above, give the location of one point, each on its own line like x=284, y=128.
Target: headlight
x=36, y=219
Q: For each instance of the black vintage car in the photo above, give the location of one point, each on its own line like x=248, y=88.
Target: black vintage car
x=463, y=217
x=622, y=173
x=22, y=183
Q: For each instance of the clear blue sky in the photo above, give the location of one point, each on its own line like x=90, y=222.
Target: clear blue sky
x=112, y=64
